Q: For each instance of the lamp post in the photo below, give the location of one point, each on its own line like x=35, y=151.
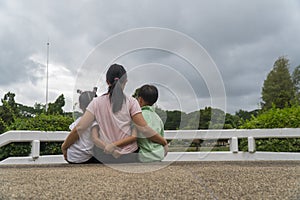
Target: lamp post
x=47, y=72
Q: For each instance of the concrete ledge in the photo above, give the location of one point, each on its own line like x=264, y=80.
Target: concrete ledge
x=228, y=156
x=174, y=156
x=49, y=159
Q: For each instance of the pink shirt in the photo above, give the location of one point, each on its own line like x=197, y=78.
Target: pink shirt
x=115, y=126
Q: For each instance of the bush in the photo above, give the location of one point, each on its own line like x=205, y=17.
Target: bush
x=275, y=118
x=42, y=123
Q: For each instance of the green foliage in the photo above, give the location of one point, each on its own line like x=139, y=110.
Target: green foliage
x=135, y=95
x=192, y=121
x=296, y=82
x=174, y=120
x=15, y=149
x=203, y=119
x=205, y=116
x=28, y=111
x=275, y=118
x=41, y=122
x=274, y=145
x=56, y=107
x=3, y=126
x=8, y=111
x=244, y=115
x=232, y=121
x=162, y=114
x=278, y=88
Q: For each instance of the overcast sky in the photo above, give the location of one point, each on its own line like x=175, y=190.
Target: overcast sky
x=243, y=38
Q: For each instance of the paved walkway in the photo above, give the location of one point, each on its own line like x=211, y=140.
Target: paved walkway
x=184, y=180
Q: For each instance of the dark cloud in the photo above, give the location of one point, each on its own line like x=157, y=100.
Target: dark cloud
x=244, y=38
x=15, y=59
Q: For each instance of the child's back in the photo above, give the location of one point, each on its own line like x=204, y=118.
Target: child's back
x=81, y=150
x=150, y=151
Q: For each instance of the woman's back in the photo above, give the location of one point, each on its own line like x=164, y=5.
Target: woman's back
x=115, y=126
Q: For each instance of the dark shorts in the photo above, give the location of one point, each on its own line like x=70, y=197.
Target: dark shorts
x=108, y=158
x=90, y=161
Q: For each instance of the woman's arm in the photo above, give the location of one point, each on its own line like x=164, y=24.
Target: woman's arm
x=130, y=139
x=85, y=121
x=143, y=127
x=96, y=139
x=100, y=143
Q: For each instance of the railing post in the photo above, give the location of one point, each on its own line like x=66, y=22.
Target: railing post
x=251, y=145
x=234, y=145
x=35, y=149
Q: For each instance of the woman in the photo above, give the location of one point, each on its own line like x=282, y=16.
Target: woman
x=114, y=112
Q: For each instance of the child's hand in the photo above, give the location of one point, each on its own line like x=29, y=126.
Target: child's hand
x=64, y=151
x=116, y=154
x=166, y=148
x=109, y=148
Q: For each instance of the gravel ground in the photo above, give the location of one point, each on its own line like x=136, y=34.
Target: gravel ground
x=184, y=180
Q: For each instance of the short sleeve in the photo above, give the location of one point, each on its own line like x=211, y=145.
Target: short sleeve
x=94, y=124
x=72, y=126
x=91, y=106
x=134, y=106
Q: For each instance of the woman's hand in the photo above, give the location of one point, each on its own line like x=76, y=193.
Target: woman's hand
x=116, y=154
x=166, y=148
x=109, y=148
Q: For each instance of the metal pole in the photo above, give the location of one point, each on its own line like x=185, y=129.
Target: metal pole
x=47, y=76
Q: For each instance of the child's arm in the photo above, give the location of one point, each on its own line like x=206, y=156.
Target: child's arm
x=100, y=143
x=96, y=139
x=166, y=147
x=142, y=126
x=109, y=148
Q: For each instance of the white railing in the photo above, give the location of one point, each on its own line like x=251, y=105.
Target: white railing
x=35, y=137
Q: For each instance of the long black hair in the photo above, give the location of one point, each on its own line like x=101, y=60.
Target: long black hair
x=116, y=77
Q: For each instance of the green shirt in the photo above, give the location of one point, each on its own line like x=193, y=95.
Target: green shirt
x=150, y=151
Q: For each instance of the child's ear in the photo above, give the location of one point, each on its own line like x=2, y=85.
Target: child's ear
x=140, y=100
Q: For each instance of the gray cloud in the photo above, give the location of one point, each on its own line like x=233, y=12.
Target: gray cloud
x=243, y=38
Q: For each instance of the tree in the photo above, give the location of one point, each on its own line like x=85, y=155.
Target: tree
x=56, y=107
x=29, y=111
x=8, y=111
x=135, y=95
x=296, y=82
x=278, y=88
x=246, y=115
x=10, y=104
x=205, y=117
x=173, y=121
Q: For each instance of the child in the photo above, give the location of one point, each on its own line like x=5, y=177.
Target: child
x=81, y=150
x=150, y=151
